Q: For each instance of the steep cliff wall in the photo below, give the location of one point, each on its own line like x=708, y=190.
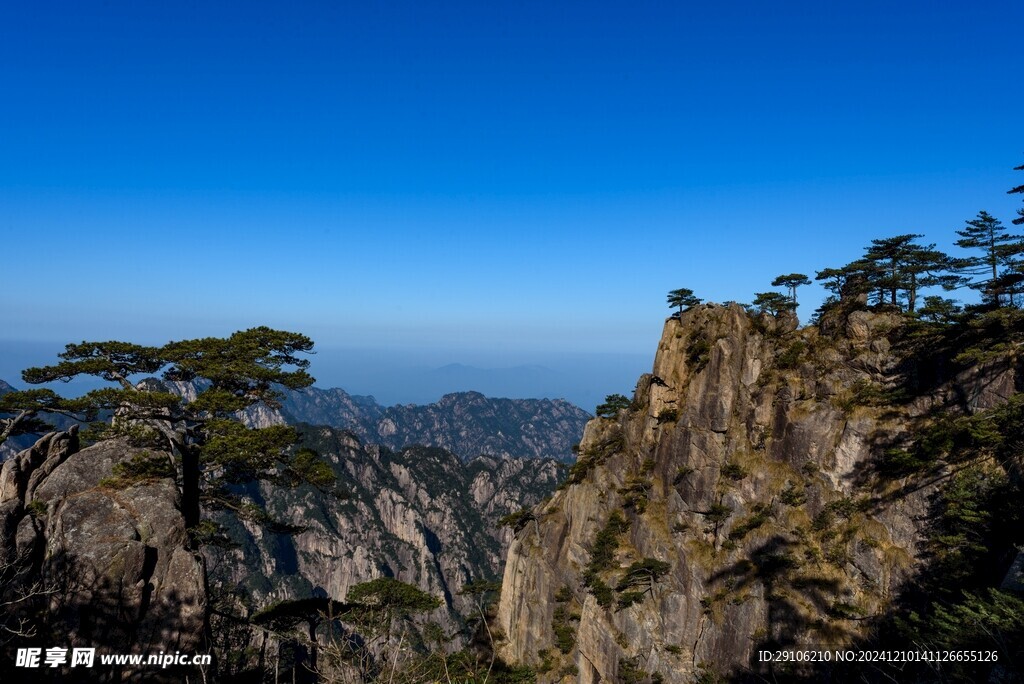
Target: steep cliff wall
x=733, y=506
x=86, y=562
x=421, y=515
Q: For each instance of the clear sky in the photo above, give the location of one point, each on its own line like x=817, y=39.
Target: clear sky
x=491, y=183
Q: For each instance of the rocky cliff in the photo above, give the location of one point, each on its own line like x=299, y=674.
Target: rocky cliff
x=89, y=561
x=421, y=515
x=736, y=504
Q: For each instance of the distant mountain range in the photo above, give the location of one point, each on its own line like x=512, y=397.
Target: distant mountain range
x=468, y=424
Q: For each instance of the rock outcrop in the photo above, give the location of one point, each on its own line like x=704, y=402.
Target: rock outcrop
x=732, y=506
x=105, y=565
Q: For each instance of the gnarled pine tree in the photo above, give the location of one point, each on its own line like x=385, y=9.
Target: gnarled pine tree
x=209, y=448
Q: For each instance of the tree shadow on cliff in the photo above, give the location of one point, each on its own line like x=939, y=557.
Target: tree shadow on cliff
x=82, y=606
x=933, y=448
x=789, y=590
x=956, y=601
x=932, y=355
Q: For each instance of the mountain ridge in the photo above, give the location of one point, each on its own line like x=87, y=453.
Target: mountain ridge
x=466, y=423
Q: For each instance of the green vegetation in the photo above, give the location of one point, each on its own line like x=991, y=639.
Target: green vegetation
x=563, y=619
x=602, y=554
x=791, y=281
x=565, y=632
x=602, y=558
x=628, y=598
x=734, y=471
x=379, y=634
x=602, y=592
x=668, y=415
x=631, y=673
x=772, y=303
x=142, y=467
x=756, y=519
x=383, y=600
x=36, y=508
x=791, y=356
x=718, y=513
x=613, y=403
x=20, y=412
x=794, y=494
x=682, y=298
x=999, y=261
x=643, y=573
x=587, y=460
x=682, y=474
x=698, y=353
x=518, y=520
x=635, y=494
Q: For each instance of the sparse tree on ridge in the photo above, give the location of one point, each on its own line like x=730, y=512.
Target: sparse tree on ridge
x=613, y=403
x=791, y=281
x=682, y=298
x=905, y=266
x=859, y=277
x=773, y=303
x=1000, y=257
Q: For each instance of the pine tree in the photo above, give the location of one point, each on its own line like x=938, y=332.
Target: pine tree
x=903, y=266
x=21, y=412
x=208, y=447
x=1000, y=257
x=791, y=281
x=613, y=403
x=683, y=298
x=773, y=303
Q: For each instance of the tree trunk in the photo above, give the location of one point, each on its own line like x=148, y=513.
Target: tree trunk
x=190, y=484
x=14, y=423
x=312, y=645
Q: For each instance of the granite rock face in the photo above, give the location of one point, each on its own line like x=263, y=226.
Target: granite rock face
x=111, y=560
x=421, y=515
x=743, y=465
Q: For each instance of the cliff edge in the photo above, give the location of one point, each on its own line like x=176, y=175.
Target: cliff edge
x=736, y=504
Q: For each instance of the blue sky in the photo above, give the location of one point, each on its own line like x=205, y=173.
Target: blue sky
x=487, y=183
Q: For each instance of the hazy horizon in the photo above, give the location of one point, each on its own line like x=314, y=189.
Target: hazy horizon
x=416, y=377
